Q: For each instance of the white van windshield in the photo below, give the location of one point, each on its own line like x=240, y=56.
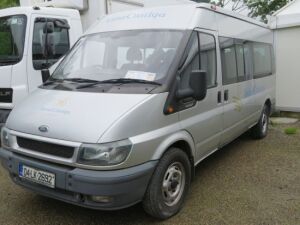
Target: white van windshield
x=12, y=36
x=143, y=54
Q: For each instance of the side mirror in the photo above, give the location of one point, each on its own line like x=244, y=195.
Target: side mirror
x=48, y=28
x=45, y=75
x=198, y=83
x=197, y=86
x=61, y=24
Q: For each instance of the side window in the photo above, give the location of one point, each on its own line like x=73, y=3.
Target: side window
x=262, y=59
x=58, y=41
x=248, y=60
x=192, y=61
x=208, y=58
x=240, y=60
x=228, y=55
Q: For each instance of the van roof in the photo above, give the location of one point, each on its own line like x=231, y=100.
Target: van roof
x=173, y=17
x=42, y=10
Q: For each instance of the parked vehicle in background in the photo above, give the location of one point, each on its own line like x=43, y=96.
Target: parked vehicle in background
x=33, y=38
x=141, y=99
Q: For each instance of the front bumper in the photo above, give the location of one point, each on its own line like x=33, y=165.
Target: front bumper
x=4, y=113
x=124, y=187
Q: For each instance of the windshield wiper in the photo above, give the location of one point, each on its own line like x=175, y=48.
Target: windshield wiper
x=80, y=80
x=76, y=80
x=119, y=81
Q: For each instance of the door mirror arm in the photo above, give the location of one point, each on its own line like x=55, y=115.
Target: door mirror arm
x=45, y=75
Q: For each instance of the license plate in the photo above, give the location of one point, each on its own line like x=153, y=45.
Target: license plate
x=37, y=176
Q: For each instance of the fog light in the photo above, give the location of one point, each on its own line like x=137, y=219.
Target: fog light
x=5, y=138
x=101, y=199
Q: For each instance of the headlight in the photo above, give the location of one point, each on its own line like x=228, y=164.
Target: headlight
x=104, y=154
x=5, y=137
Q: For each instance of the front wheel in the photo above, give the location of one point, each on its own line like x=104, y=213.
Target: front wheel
x=169, y=185
x=260, y=130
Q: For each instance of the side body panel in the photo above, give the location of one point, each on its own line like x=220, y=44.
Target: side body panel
x=246, y=98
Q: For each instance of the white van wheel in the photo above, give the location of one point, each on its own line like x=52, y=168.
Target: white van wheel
x=260, y=130
x=169, y=185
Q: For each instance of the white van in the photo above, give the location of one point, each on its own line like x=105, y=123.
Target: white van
x=138, y=102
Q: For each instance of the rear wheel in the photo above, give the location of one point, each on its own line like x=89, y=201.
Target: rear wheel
x=169, y=185
x=260, y=130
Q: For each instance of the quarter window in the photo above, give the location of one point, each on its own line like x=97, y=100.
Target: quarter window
x=192, y=61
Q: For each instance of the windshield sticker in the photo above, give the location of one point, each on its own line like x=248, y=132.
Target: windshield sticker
x=140, y=75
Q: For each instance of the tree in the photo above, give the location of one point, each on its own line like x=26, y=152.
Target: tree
x=263, y=9
x=236, y=5
x=9, y=3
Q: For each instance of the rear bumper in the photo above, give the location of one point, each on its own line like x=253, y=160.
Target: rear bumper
x=123, y=187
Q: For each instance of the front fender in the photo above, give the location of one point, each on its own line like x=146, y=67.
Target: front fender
x=172, y=139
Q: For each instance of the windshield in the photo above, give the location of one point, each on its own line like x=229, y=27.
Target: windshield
x=12, y=36
x=143, y=54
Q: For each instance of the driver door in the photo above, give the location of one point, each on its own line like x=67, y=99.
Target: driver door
x=203, y=119
x=38, y=58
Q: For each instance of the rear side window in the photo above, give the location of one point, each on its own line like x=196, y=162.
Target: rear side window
x=229, y=62
x=208, y=58
x=248, y=60
x=262, y=56
x=42, y=56
x=240, y=60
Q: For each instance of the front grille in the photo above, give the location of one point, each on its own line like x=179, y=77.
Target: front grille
x=46, y=148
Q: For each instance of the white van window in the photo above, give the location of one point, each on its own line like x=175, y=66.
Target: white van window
x=248, y=60
x=120, y=54
x=40, y=54
x=228, y=55
x=262, y=55
x=240, y=62
x=208, y=58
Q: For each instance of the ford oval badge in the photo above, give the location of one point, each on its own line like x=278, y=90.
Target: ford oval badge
x=43, y=128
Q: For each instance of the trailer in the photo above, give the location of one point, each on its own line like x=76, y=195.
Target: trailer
x=286, y=26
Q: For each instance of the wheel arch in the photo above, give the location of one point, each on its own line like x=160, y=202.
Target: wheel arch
x=182, y=140
x=268, y=103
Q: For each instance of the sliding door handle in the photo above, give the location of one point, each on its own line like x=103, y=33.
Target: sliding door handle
x=226, y=95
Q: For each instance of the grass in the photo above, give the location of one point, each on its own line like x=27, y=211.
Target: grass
x=291, y=130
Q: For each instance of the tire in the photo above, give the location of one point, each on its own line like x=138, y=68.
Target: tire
x=260, y=130
x=167, y=189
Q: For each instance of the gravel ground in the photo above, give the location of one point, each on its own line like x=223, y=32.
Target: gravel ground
x=247, y=182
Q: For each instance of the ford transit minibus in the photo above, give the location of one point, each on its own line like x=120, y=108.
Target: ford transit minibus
x=141, y=99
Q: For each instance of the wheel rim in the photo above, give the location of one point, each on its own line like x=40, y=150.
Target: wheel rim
x=264, y=122
x=173, y=184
